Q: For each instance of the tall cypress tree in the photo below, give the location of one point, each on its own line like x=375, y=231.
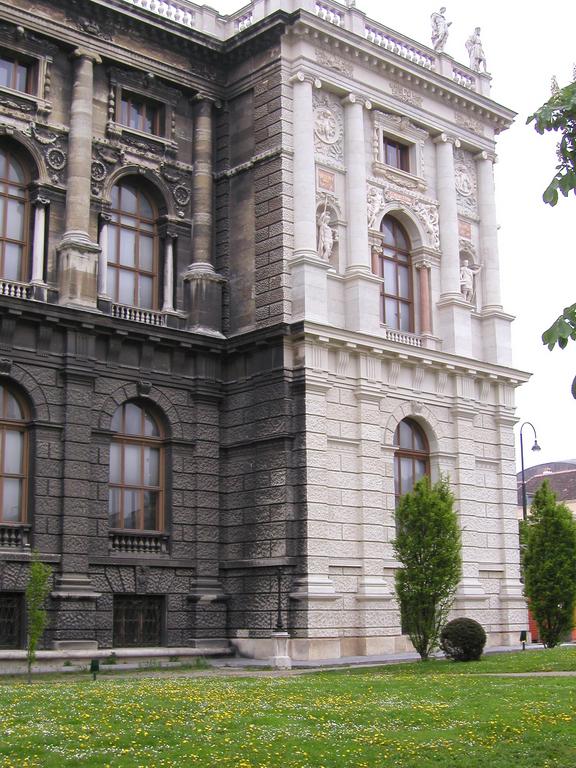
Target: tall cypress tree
x=428, y=545
x=549, y=563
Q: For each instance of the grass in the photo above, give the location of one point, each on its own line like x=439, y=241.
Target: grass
x=434, y=715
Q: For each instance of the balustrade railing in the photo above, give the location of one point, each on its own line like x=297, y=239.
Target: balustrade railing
x=15, y=290
x=138, y=542
x=244, y=21
x=402, y=337
x=402, y=48
x=177, y=12
x=463, y=78
x=137, y=315
x=328, y=13
x=15, y=536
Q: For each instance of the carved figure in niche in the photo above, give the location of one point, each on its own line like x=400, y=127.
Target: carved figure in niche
x=476, y=52
x=326, y=127
x=467, y=282
x=325, y=236
x=463, y=182
x=439, y=29
x=375, y=205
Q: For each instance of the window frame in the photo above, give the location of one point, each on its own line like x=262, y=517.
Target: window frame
x=128, y=99
x=142, y=441
x=36, y=56
x=26, y=243
x=379, y=260
x=116, y=225
x=402, y=150
x=412, y=453
x=391, y=129
x=21, y=426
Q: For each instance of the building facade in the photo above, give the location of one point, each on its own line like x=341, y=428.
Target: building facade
x=249, y=292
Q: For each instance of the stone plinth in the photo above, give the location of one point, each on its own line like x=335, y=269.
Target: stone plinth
x=203, y=299
x=78, y=269
x=280, y=658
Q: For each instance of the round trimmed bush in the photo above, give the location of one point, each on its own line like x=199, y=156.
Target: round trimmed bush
x=463, y=639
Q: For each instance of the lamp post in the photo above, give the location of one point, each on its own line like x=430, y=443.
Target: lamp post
x=535, y=447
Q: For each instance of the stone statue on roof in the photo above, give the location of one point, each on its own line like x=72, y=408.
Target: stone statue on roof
x=476, y=52
x=439, y=29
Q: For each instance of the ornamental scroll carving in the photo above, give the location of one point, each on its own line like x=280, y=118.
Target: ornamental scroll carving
x=407, y=95
x=328, y=127
x=465, y=182
x=425, y=210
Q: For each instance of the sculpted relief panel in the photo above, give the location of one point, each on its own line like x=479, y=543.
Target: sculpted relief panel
x=328, y=127
x=465, y=179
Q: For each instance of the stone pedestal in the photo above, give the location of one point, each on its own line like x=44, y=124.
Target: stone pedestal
x=75, y=602
x=362, y=301
x=455, y=325
x=203, y=299
x=309, y=288
x=78, y=271
x=280, y=658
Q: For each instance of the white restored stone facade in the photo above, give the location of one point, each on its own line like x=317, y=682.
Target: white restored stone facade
x=452, y=374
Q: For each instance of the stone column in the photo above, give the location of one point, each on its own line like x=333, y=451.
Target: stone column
x=168, y=305
x=105, y=218
x=423, y=269
x=78, y=254
x=38, y=246
x=454, y=311
x=488, y=231
x=496, y=325
x=309, y=272
x=202, y=285
x=362, y=288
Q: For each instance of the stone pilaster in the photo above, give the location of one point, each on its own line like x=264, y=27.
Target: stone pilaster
x=309, y=271
x=39, y=248
x=202, y=284
x=362, y=288
x=77, y=253
x=454, y=311
x=73, y=587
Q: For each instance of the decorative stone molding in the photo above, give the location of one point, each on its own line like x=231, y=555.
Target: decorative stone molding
x=402, y=130
x=330, y=61
x=102, y=29
x=469, y=123
x=21, y=41
x=425, y=209
x=328, y=127
x=54, y=148
x=465, y=182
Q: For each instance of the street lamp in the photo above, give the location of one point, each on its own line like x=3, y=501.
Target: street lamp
x=535, y=447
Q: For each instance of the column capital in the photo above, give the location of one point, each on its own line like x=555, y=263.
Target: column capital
x=484, y=155
x=205, y=98
x=84, y=53
x=40, y=202
x=444, y=138
x=422, y=264
x=356, y=98
x=305, y=77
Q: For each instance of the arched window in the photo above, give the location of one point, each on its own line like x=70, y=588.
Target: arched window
x=13, y=457
x=14, y=218
x=394, y=266
x=136, y=470
x=411, y=459
x=132, y=248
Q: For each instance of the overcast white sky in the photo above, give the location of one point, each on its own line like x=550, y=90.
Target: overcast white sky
x=525, y=44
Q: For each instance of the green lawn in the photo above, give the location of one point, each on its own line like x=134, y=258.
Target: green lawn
x=435, y=715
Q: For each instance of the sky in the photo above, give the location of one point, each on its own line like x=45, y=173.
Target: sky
x=537, y=244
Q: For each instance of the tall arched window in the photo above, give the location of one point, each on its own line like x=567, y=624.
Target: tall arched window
x=136, y=497
x=411, y=459
x=14, y=218
x=13, y=457
x=132, y=248
x=394, y=266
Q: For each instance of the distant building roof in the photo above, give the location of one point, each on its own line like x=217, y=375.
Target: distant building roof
x=561, y=476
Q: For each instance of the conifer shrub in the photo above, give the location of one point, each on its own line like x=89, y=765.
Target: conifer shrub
x=463, y=639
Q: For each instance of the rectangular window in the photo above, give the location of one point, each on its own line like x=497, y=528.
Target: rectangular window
x=11, y=619
x=142, y=114
x=17, y=74
x=397, y=155
x=138, y=620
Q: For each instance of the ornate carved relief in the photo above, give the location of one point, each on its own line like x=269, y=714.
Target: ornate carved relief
x=465, y=181
x=426, y=210
x=334, y=62
x=54, y=148
x=102, y=29
x=328, y=127
x=468, y=122
x=407, y=95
